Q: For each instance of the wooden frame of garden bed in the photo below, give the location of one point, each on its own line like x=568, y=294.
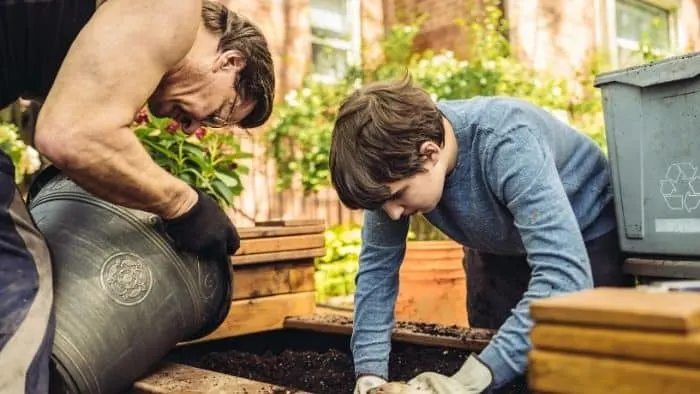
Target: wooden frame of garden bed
x=183, y=379
x=273, y=276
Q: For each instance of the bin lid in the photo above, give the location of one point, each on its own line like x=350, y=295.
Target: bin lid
x=673, y=69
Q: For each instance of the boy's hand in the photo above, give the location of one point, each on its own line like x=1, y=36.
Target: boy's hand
x=366, y=383
x=474, y=377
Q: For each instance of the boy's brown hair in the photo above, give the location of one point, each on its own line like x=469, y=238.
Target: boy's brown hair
x=377, y=138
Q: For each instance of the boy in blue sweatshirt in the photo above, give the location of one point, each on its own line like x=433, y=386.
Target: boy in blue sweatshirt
x=529, y=196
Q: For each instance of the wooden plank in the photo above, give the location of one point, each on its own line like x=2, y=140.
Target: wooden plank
x=263, y=231
x=262, y=314
x=272, y=279
x=473, y=339
x=637, y=345
x=279, y=244
x=290, y=222
x=169, y=378
x=622, y=308
x=277, y=256
x=568, y=373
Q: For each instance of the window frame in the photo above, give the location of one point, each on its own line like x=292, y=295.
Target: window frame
x=350, y=46
x=614, y=42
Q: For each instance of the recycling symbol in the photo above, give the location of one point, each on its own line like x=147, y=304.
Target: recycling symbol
x=681, y=187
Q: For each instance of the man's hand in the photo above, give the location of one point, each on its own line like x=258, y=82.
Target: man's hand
x=365, y=383
x=204, y=230
x=474, y=377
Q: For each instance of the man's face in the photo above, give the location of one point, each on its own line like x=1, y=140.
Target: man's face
x=202, y=93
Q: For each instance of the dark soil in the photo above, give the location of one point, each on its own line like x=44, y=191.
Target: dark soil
x=315, y=362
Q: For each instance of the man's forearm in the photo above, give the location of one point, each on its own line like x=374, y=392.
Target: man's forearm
x=117, y=168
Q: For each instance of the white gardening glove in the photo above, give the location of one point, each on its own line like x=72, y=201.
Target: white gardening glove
x=474, y=377
x=365, y=383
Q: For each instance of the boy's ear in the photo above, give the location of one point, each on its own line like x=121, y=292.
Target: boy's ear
x=430, y=152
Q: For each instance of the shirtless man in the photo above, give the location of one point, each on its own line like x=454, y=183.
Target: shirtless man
x=94, y=65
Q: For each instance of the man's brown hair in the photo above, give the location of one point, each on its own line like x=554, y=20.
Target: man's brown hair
x=377, y=138
x=257, y=79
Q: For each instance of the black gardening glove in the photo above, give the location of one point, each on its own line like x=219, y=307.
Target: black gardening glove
x=205, y=230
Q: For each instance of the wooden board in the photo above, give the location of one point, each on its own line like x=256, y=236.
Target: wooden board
x=173, y=378
x=344, y=326
x=277, y=256
x=271, y=279
x=279, y=244
x=273, y=231
x=636, y=345
x=622, y=307
x=567, y=373
x=289, y=222
x=262, y=314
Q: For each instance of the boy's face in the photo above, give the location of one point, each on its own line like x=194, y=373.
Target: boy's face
x=419, y=193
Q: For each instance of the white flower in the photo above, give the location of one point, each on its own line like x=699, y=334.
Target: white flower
x=291, y=98
x=34, y=159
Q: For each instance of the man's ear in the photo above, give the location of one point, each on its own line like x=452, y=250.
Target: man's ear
x=430, y=152
x=227, y=60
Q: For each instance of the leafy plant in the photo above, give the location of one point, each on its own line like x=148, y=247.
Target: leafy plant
x=422, y=230
x=25, y=158
x=207, y=160
x=336, y=271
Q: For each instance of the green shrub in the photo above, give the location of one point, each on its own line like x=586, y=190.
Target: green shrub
x=25, y=158
x=336, y=271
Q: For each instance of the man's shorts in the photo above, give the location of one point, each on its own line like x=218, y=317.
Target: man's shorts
x=26, y=294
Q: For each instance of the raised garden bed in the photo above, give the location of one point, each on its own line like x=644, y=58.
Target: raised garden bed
x=316, y=358
x=273, y=276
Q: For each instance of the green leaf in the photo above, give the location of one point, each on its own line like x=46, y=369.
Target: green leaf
x=225, y=192
x=227, y=180
x=188, y=177
x=160, y=149
x=194, y=150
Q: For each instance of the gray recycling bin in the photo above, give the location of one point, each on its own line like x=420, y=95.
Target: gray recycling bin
x=652, y=121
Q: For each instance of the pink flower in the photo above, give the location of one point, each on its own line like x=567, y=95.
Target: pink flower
x=141, y=117
x=172, y=126
x=200, y=132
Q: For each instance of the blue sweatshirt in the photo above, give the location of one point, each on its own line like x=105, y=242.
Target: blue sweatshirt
x=524, y=183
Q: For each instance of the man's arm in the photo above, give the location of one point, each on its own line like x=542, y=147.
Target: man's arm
x=521, y=172
x=111, y=69
x=383, y=249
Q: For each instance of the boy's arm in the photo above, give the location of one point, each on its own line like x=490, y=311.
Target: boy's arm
x=383, y=248
x=521, y=172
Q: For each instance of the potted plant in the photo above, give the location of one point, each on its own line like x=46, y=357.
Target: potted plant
x=207, y=160
x=432, y=281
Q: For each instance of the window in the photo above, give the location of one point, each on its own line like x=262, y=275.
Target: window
x=335, y=37
x=640, y=22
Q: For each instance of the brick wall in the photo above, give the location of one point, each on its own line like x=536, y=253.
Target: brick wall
x=552, y=35
x=558, y=35
x=440, y=29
